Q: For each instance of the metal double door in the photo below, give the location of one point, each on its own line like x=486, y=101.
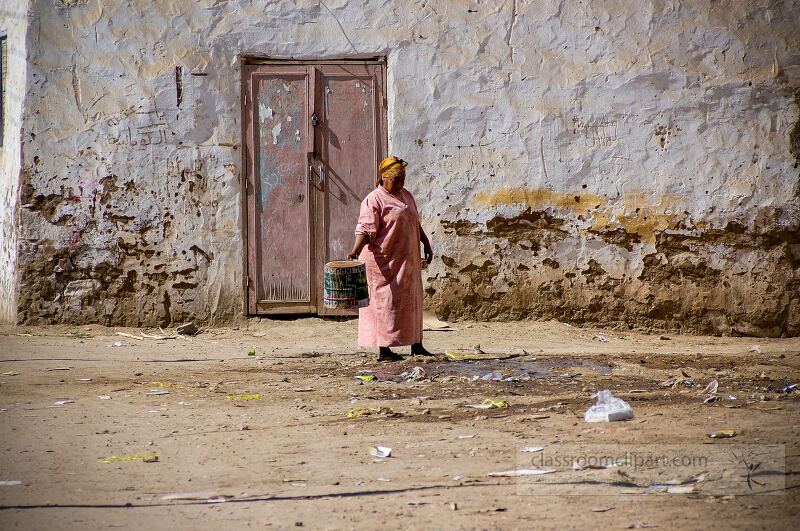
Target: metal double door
x=314, y=134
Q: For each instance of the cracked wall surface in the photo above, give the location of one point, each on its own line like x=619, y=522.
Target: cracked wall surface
x=616, y=162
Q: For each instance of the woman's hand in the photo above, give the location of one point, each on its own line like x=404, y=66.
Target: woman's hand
x=428, y=252
x=426, y=245
x=361, y=241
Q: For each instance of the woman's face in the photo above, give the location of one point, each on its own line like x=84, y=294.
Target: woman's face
x=394, y=183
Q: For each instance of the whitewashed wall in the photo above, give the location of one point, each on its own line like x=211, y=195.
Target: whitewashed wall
x=609, y=161
x=13, y=25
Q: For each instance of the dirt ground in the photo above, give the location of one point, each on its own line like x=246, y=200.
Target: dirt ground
x=264, y=440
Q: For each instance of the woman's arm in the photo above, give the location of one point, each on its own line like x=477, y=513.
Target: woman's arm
x=426, y=245
x=361, y=241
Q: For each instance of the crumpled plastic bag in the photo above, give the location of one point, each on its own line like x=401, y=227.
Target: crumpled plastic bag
x=608, y=408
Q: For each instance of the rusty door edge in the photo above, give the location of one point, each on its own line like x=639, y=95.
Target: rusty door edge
x=247, y=280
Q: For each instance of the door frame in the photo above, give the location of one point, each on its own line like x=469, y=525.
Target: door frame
x=317, y=208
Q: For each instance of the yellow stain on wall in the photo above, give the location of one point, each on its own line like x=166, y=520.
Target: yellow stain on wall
x=538, y=197
x=636, y=213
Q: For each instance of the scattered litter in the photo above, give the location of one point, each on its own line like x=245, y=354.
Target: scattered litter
x=468, y=436
x=364, y=377
x=679, y=486
x=147, y=458
x=60, y=369
x=302, y=389
x=458, y=478
x=64, y=402
x=608, y=408
x=755, y=348
x=383, y=479
x=595, y=466
x=84, y=380
x=602, y=509
x=187, y=329
x=680, y=489
x=711, y=388
x=163, y=336
x=124, y=334
x=788, y=389
x=211, y=497
x=380, y=451
x=358, y=412
x=490, y=404
x=711, y=392
x=455, y=355
x=117, y=344
x=432, y=324
x=10, y=373
x=723, y=434
x=156, y=392
x=454, y=506
x=251, y=352
x=254, y=396
x=536, y=417
x=10, y=483
x=532, y=449
x=104, y=397
x=601, y=338
x=521, y=472
x=417, y=373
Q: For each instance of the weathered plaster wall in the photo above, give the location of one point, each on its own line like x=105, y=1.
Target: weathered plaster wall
x=608, y=161
x=13, y=25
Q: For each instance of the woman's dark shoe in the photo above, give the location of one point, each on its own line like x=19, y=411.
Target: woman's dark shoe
x=418, y=350
x=386, y=354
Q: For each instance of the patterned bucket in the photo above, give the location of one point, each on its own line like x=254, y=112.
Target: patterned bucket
x=345, y=284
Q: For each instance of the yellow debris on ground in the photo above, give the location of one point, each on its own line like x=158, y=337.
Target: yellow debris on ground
x=254, y=396
x=147, y=458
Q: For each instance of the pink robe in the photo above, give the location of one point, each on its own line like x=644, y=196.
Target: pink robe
x=394, y=270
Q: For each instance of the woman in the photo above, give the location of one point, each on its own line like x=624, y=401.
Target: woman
x=387, y=240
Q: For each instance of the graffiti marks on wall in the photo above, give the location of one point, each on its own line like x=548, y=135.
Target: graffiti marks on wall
x=138, y=130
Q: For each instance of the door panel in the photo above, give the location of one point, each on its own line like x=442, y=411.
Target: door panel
x=280, y=269
x=283, y=194
x=351, y=147
x=305, y=178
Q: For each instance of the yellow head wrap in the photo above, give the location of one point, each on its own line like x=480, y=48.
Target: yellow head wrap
x=391, y=167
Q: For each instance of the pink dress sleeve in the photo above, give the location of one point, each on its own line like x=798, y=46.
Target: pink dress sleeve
x=369, y=217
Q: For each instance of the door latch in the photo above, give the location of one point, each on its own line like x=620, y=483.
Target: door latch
x=317, y=169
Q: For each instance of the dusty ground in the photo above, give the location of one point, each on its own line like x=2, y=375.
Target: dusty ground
x=291, y=458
